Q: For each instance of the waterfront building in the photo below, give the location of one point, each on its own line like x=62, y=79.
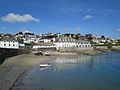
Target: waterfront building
x=44, y=47
x=21, y=46
x=9, y=43
x=68, y=42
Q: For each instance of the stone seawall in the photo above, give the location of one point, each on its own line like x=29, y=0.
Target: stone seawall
x=101, y=47
x=75, y=49
x=84, y=49
x=116, y=47
x=6, y=53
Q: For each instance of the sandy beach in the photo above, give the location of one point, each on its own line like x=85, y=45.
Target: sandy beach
x=14, y=67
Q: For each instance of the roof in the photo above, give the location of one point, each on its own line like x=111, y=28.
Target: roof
x=44, y=44
x=65, y=39
x=8, y=39
x=81, y=40
x=69, y=39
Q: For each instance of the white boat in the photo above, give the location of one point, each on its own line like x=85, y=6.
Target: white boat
x=44, y=65
x=47, y=54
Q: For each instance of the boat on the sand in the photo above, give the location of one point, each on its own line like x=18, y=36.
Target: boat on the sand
x=44, y=65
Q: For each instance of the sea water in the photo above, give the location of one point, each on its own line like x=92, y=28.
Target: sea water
x=82, y=72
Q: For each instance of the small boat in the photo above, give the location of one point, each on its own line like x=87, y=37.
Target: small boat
x=44, y=65
x=47, y=54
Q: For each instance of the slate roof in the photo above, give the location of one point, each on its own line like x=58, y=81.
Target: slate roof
x=8, y=39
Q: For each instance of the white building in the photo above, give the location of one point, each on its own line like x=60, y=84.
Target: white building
x=44, y=47
x=9, y=43
x=30, y=40
x=101, y=41
x=65, y=42
x=47, y=40
x=28, y=37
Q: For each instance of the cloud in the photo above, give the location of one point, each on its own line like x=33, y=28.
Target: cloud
x=66, y=29
x=51, y=27
x=87, y=17
x=3, y=28
x=118, y=29
x=13, y=18
x=24, y=29
x=77, y=28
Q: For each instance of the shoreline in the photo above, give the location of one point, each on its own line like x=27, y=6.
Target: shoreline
x=14, y=67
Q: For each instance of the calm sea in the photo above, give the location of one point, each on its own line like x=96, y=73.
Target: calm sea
x=83, y=72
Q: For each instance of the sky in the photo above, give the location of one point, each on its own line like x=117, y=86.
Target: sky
x=98, y=17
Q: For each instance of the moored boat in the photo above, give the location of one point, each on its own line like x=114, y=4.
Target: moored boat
x=44, y=65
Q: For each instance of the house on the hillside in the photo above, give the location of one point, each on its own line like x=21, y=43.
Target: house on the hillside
x=46, y=40
x=27, y=37
x=9, y=43
x=30, y=38
x=19, y=34
x=102, y=41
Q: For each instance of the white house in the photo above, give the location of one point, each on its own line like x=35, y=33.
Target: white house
x=30, y=40
x=21, y=46
x=28, y=37
x=9, y=43
x=47, y=40
x=44, y=40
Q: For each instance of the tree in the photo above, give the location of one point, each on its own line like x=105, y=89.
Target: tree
x=89, y=36
x=20, y=40
x=103, y=37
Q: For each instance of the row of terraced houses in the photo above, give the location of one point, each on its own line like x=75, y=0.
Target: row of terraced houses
x=45, y=41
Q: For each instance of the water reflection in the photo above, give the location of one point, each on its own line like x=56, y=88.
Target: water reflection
x=99, y=72
x=68, y=63
x=78, y=59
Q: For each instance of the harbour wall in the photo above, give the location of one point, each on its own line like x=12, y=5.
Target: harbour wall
x=6, y=53
x=116, y=47
x=75, y=49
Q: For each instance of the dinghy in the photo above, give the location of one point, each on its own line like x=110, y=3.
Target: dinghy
x=44, y=65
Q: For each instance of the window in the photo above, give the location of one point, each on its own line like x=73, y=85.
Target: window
x=4, y=44
x=9, y=44
x=69, y=40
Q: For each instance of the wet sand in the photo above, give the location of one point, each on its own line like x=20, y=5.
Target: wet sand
x=14, y=67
